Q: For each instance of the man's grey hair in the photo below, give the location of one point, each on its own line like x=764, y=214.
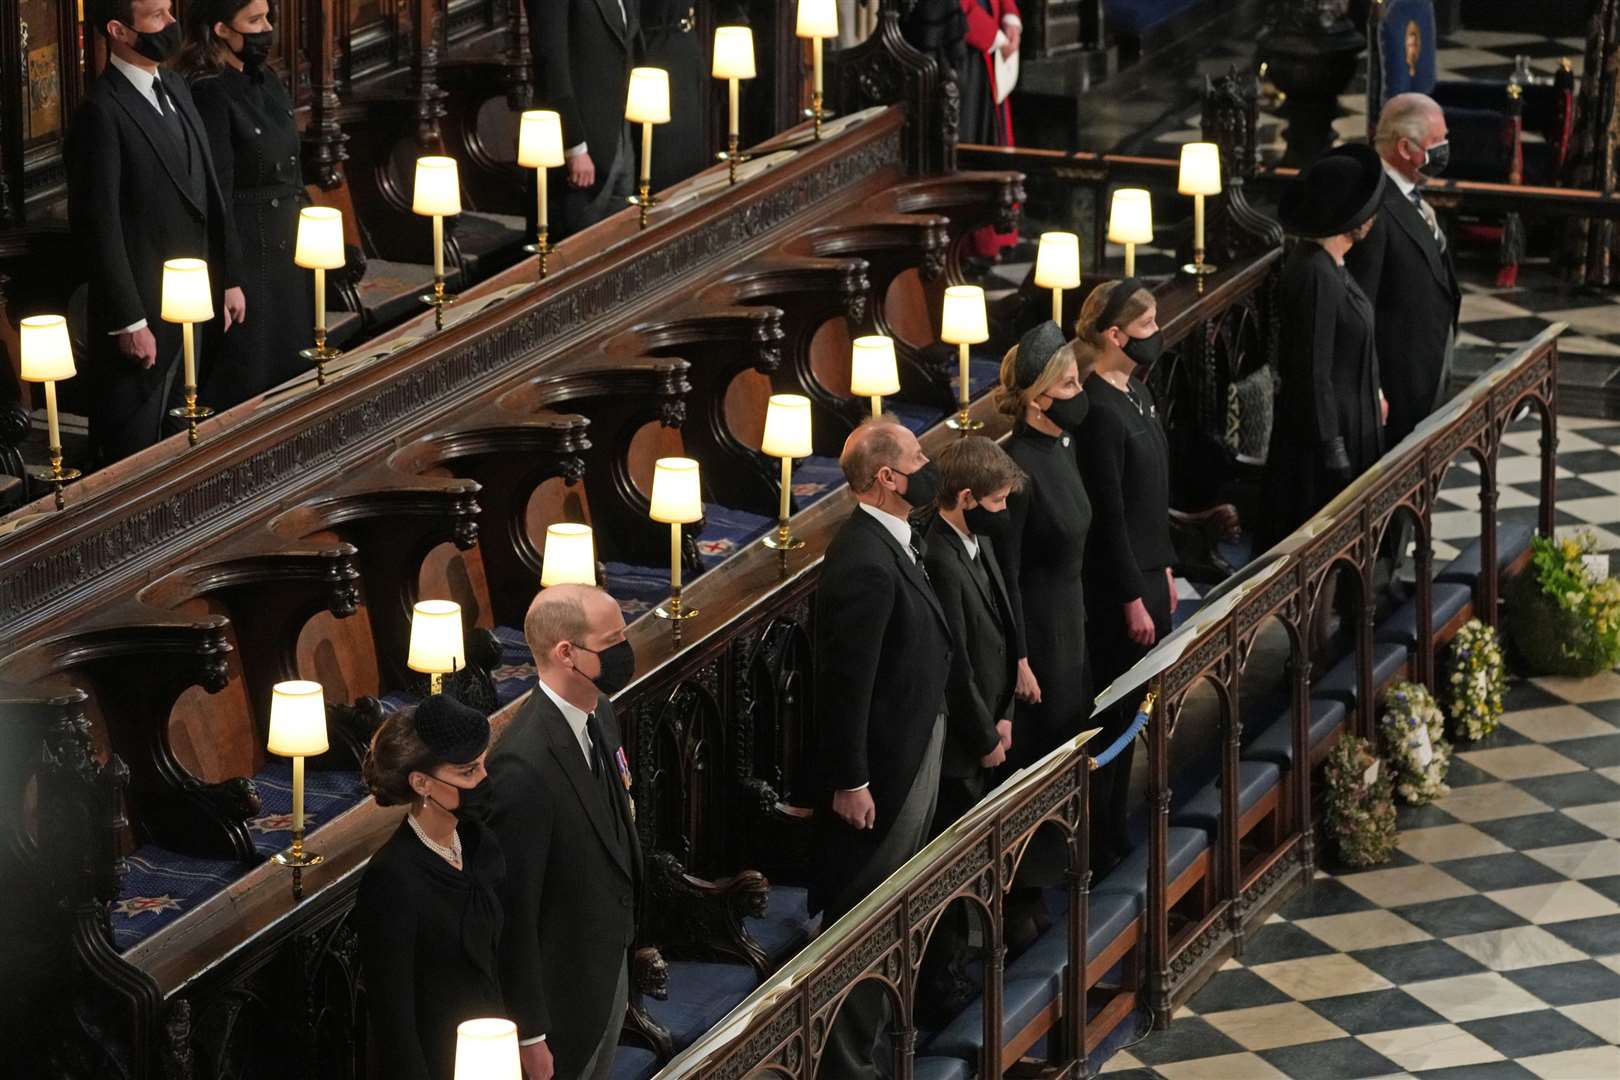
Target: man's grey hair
x=1405, y=116
x=874, y=444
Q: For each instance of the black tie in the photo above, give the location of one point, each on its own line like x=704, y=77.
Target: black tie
x=916, y=545
x=166, y=107
x=977, y=563
x=591, y=742
x=1432, y=223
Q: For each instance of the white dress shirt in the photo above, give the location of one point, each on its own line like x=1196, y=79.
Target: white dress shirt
x=898, y=527
x=969, y=541
x=144, y=82
x=1406, y=188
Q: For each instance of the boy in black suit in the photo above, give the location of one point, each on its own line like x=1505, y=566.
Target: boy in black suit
x=141, y=190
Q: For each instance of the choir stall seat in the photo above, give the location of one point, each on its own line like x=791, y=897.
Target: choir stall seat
x=1512, y=541
x=1256, y=780
x=634, y=1063
x=700, y=995
x=1400, y=626
x=1275, y=741
x=1340, y=681
x=787, y=925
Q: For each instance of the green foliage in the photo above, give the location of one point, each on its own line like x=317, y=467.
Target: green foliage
x=1414, y=736
x=1360, y=807
x=1477, y=680
x=1562, y=621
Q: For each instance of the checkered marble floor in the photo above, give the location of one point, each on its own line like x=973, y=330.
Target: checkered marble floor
x=1489, y=947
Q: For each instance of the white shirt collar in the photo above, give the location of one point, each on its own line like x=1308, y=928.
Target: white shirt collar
x=575, y=716
x=1402, y=184
x=969, y=541
x=138, y=77
x=898, y=527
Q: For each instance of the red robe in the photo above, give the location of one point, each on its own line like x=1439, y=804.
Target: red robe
x=982, y=27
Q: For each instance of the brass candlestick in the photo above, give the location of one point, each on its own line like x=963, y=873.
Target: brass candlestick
x=644, y=201
x=816, y=113
x=55, y=474
x=1199, y=269
x=191, y=412
x=733, y=156
x=296, y=858
x=436, y=301
x=319, y=355
x=540, y=249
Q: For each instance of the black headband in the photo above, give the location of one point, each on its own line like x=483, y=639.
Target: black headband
x=1127, y=288
x=1035, y=351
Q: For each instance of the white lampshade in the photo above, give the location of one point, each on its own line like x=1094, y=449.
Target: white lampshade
x=47, y=354
x=1130, y=217
x=540, y=139
x=1200, y=169
x=733, y=52
x=436, y=645
x=487, y=1050
x=787, y=427
x=297, y=719
x=570, y=555
x=1057, y=261
x=677, y=495
x=817, y=19
x=320, y=238
x=648, y=99
x=872, y=370
x=438, y=187
x=963, y=321
x=187, y=297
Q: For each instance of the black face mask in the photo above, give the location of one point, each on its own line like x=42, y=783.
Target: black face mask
x=468, y=806
x=982, y=522
x=161, y=46
x=1069, y=413
x=255, y=49
x=618, y=666
x=922, y=486
x=1145, y=351
x=1435, y=159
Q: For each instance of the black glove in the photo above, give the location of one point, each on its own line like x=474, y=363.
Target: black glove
x=1336, y=460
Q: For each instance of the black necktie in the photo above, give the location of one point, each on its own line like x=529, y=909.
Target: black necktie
x=166, y=107
x=916, y=546
x=977, y=563
x=1432, y=222
x=592, y=741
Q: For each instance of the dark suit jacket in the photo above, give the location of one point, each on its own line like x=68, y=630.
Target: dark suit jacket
x=571, y=883
x=583, y=54
x=978, y=690
x=883, y=653
x=1413, y=288
x=132, y=204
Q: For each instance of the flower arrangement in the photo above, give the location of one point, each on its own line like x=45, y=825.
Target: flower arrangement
x=1477, y=681
x=1360, y=807
x=1564, y=620
x=1414, y=728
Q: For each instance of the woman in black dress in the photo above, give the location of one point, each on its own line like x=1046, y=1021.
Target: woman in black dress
x=1125, y=461
x=428, y=914
x=1329, y=417
x=670, y=30
x=254, y=140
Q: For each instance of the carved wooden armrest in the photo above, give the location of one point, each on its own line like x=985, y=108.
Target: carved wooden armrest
x=1196, y=536
x=698, y=919
x=649, y=977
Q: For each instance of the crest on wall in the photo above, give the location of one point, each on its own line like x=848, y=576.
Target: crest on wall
x=1414, y=47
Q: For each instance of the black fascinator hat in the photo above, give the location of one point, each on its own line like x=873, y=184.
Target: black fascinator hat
x=1336, y=193
x=452, y=731
x=1035, y=351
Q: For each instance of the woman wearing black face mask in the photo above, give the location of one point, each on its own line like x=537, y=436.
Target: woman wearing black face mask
x=1126, y=464
x=249, y=117
x=428, y=911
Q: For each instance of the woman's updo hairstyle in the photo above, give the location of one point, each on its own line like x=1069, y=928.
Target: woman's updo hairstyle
x=1031, y=367
x=439, y=731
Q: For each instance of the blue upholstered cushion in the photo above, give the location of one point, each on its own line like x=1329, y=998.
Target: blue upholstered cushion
x=1276, y=742
x=634, y=1063
x=941, y=1068
x=1401, y=17
x=326, y=795
x=700, y=995
x=787, y=925
x=162, y=885
x=1130, y=876
x=1400, y=626
x=1237, y=553
x=1203, y=810
x=1512, y=540
x=1340, y=681
x=1022, y=998
x=1140, y=16
x=1109, y=915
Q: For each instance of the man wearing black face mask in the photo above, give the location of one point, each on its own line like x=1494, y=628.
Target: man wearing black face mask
x=141, y=190
x=560, y=805
x=882, y=654
x=255, y=142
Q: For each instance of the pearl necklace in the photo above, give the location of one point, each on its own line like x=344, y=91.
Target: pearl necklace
x=451, y=854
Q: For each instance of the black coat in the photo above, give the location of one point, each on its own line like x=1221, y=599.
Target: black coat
x=1125, y=461
x=1412, y=284
x=583, y=53
x=679, y=150
x=429, y=936
x=136, y=197
x=1327, y=428
x=572, y=880
x=1043, y=559
x=978, y=691
x=255, y=143
x=883, y=653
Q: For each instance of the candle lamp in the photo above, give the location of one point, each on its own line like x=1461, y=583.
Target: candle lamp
x=677, y=499
x=570, y=555
x=817, y=20
x=437, y=195
x=487, y=1049
x=188, y=299
x=540, y=148
x=964, y=323
x=1200, y=175
x=733, y=60
x=297, y=730
x=872, y=369
x=1057, y=267
x=647, y=103
x=320, y=248
x=787, y=436
x=436, y=648
x=1130, y=222
x=47, y=357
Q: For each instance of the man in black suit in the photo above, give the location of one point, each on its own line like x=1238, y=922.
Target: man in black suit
x=976, y=477
x=141, y=189
x=583, y=53
x=1404, y=266
x=882, y=653
x=559, y=804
